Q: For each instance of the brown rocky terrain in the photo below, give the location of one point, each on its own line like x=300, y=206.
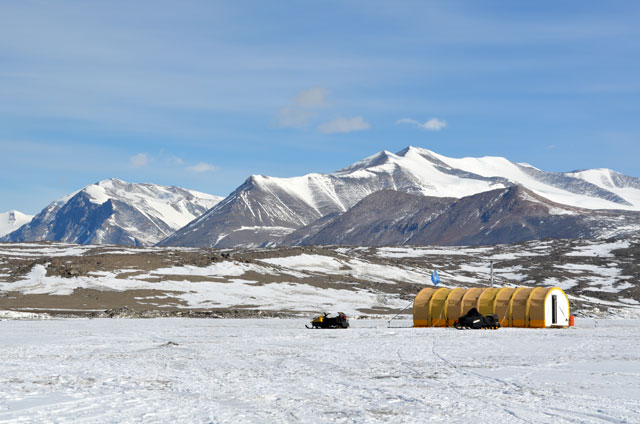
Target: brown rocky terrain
x=598, y=276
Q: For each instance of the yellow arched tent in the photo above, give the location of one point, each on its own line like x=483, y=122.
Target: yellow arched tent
x=503, y=298
x=518, y=306
x=535, y=307
x=454, y=310
x=487, y=301
x=470, y=299
x=548, y=307
x=437, y=310
x=421, y=307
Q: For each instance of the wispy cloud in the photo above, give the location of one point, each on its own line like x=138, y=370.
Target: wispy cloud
x=313, y=97
x=432, y=124
x=175, y=160
x=292, y=117
x=140, y=160
x=344, y=125
x=301, y=108
x=201, y=167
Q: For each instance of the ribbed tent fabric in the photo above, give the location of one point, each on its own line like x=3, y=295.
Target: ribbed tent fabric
x=470, y=299
x=487, y=301
x=501, y=307
x=532, y=307
x=421, y=308
x=437, y=308
x=454, y=305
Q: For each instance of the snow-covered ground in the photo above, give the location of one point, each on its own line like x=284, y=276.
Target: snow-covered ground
x=264, y=371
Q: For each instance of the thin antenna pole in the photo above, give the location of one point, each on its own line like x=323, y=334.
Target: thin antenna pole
x=491, y=264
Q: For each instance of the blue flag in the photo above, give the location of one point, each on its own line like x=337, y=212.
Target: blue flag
x=435, y=278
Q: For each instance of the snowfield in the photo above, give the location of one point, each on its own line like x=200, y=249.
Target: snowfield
x=264, y=371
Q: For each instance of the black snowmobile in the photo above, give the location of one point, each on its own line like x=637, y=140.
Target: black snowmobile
x=474, y=320
x=325, y=320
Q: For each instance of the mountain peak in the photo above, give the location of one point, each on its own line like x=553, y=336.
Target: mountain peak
x=109, y=182
x=527, y=165
x=12, y=220
x=414, y=150
x=380, y=158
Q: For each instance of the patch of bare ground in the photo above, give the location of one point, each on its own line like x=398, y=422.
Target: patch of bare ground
x=90, y=300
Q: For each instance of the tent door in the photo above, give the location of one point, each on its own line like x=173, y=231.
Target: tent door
x=554, y=309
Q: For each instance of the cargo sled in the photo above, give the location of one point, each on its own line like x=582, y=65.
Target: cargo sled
x=325, y=320
x=475, y=320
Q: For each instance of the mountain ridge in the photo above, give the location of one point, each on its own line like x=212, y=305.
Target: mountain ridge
x=264, y=209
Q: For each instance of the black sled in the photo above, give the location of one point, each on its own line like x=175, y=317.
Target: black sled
x=474, y=320
x=330, y=321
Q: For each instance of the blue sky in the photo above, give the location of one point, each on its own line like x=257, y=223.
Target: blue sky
x=201, y=94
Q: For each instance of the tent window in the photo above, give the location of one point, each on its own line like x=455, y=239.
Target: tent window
x=554, y=309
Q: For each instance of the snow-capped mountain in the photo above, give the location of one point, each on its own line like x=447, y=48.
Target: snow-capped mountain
x=264, y=209
x=116, y=212
x=12, y=220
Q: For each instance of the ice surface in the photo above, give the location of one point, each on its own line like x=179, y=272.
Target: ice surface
x=248, y=371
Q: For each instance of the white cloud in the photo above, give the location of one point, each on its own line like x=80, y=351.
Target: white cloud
x=201, y=167
x=313, y=97
x=290, y=116
x=433, y=124
x=300, y=109
x=175, y=160
x=344, y=125
x=407, y=121
x=139, y=160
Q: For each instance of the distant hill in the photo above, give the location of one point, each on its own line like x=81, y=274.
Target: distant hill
x=509, y=215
